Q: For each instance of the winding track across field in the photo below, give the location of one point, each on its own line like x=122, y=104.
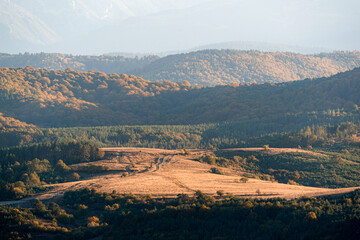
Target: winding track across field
x=168, y=173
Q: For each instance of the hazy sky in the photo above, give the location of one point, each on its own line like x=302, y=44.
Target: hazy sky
x=93, y=26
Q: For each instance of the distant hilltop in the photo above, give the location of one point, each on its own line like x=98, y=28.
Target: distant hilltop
x=264, y=46
x=205, y=67
x=234, y=45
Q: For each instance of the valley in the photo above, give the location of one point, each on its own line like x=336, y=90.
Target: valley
x=179, y=120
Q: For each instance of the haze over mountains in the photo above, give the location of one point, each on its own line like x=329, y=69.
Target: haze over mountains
x=206, y=67
x=262, y=46
x=91, y=27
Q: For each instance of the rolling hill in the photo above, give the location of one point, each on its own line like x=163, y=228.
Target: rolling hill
x=168, y=194
x=262, y=46
x=57, y=61
x=73, y=98
x=214, y=67
x=167, y=173
x=205, y=67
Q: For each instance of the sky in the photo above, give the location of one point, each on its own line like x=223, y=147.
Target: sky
x=96, y=27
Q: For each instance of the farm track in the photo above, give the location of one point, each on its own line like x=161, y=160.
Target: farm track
x=160, y=161
x=167, y=173
x=177, y=182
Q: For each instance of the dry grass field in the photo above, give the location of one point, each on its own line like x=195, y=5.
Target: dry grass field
x=275, y=151
x=167, y=173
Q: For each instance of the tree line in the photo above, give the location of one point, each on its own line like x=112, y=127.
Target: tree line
x=90, y=214
x=25, y=169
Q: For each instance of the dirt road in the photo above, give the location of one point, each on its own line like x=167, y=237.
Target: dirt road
x=168, y=173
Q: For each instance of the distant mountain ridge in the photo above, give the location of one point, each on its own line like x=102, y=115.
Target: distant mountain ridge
x=205, y=67
x=18, y=24
x=97, y=27
x=36, y=27
x=57, y=61
x=214, y=67
x=234, y=45
x=263, y=46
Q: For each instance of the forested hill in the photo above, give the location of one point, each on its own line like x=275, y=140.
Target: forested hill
x=206, y=67
x=214, y=67
x=8, y=123
x=72, y=98
x=68, y=97
x=57, y=61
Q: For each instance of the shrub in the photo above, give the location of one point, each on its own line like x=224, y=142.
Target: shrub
x=291, y=182
x=244, y=179
x=93, y=168
x=220, y=193
x=311, y=216
x=93, y=221
x=61, y=166
x=210, y=159
x=75, y=176
x=216, y=170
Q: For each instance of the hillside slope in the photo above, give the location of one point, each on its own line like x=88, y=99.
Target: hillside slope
x=57, y=61
x=72, y=98
x=213, y=67
x=167, y=173
x=61, y=98
x=206, y=67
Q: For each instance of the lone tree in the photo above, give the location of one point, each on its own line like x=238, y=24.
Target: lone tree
x=220, y=193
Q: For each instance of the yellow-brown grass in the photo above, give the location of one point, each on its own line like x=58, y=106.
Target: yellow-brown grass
x=168, y=173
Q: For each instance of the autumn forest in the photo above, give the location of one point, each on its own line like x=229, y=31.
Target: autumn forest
x=210, y=144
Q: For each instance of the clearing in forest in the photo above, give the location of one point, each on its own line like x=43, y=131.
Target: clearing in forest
x=167, y=173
